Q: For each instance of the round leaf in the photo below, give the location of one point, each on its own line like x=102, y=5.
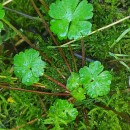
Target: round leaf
x=61, y=112
x=95, y=82
x=69, y=18
x=83, y=7
x=2, y=12
x=75, y=88
x=60, y=27
x=79, y=94
x=28, y=66
x=73, y=81
x=79, y=29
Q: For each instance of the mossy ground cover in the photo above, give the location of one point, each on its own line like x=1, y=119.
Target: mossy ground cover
x=25, y=108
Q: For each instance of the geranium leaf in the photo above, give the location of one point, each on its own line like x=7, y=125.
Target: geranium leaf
x=61, y=112
x=60, y=27
x=78, y=94
x=91, y=80
x=28, y=66
x=73, y=81
x=75, y=88
x=79, y=29
x=2, y=12
x=83, y=7
x=95, y=82
x=69, y=18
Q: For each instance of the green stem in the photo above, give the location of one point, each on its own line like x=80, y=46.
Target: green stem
x=5, y=3
x=19, y=33
x=4, y=77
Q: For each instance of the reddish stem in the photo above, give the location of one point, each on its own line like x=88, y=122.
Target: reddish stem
x=49, y=31
x=44, y=4
x=86, y=117
x=83, y=52
x=55, y=81
x=37, y=92
x=28, y=123
x=73, y=58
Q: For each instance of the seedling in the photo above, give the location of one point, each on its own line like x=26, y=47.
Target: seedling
x=91, y=80
x=61, y=112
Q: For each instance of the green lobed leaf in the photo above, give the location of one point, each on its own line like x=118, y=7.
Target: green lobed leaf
x=69, y=18
x=86, y=10
x=61, y=112
x=85, y=75
x=95, y=82
x=2, y=12
x=63, y=9
x=74, y=86
x=62, y=26
x=73, y=81
x=78, y=94
x=79, y=29
x=28, y=66
x=91, y=80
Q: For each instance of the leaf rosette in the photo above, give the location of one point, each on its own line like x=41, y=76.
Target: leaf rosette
x=28, y=66
x=70, y=18
x=91, y=80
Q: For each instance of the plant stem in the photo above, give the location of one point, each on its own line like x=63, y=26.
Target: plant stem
x=42, y=104
x=83, y=52
x=36, y=92
x=85, y=114
x=55, y=81
x=122, y=115
x=5, y=3
x=22, y=14
x=100, y=29
x=31, y=44
x=20, y=34
x=48, y=29
x=4, y=77
x=44, y=4
x=73, y=58
x=28, y=123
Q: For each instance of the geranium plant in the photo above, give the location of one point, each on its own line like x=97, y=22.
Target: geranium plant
x=91, y=80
